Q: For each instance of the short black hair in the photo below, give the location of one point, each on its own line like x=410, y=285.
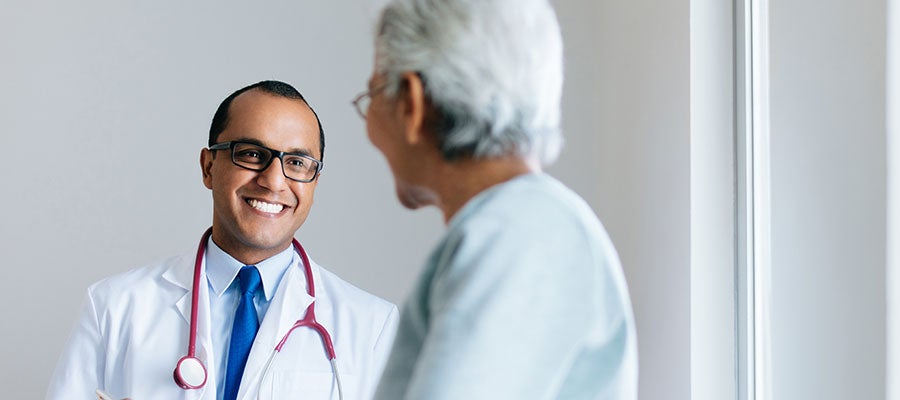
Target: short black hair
x=277, y=88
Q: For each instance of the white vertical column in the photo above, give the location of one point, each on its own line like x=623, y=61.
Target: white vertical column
x=712, y=205
x=761, y=200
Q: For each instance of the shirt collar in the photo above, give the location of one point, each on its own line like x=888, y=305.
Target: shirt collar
x=222, y=269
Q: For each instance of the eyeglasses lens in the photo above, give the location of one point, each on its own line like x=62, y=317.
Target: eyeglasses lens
x=257, y=158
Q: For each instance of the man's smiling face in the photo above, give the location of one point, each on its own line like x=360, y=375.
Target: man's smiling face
x=255, y=214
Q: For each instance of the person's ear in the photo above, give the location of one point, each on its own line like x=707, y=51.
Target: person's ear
x=206, y=160
x=413, y=107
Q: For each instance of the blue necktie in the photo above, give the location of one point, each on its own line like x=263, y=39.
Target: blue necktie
x=246, y=323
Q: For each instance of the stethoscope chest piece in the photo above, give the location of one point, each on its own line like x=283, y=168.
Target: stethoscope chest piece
x=190, y=373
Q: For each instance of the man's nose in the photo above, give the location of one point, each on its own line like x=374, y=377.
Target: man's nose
x=273, y=176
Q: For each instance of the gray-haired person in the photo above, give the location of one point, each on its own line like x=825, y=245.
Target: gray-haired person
x=524, y=297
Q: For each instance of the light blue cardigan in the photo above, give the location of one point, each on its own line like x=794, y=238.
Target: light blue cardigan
x=523, y=298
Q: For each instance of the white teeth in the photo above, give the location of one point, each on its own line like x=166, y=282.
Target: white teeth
x=265, y=207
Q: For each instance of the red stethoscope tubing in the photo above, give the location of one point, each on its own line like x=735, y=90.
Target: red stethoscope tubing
x=195, y=292
x=308, y=320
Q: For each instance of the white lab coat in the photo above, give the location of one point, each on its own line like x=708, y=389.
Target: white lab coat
x=134, y=328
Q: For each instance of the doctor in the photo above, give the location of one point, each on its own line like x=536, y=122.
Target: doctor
x=265, y=153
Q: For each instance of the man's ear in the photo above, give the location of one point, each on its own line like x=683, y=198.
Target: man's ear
x=206, y=160
x=413, y=107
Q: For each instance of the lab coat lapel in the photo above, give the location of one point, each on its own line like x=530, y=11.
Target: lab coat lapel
x=288, y=305
x=182, y=275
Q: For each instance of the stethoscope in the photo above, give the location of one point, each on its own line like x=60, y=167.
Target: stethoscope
x=190, y=373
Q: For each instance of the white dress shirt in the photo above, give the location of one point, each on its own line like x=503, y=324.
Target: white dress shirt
x=224, y=293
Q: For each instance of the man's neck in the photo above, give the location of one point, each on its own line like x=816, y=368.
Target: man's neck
x=459, y=181
x=245, y=255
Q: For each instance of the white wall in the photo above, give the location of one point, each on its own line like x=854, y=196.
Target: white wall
x=138, y=83
x=642, y=123
x=106, y=105
x=828, y=170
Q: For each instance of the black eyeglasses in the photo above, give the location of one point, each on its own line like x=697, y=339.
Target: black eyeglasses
x=296, y=167
x=364, y=99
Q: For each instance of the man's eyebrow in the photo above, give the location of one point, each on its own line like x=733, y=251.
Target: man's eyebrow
x=295, y=150
x=302, y=152
x=249, y=140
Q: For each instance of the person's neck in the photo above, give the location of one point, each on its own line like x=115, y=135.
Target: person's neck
x=245, y=255
x=459, y=181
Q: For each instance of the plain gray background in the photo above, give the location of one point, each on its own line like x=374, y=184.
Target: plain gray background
x=105, y=105
x=105, y=108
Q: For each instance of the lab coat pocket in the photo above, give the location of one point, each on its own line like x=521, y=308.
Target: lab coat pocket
x=312, y=385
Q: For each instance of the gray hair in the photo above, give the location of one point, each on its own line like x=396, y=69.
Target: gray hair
x=491, y=68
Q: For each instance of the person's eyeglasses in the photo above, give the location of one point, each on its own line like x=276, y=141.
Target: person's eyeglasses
x=296, y=167
x=364, y=99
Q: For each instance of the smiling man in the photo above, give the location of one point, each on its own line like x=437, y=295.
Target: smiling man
x=265, y=156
